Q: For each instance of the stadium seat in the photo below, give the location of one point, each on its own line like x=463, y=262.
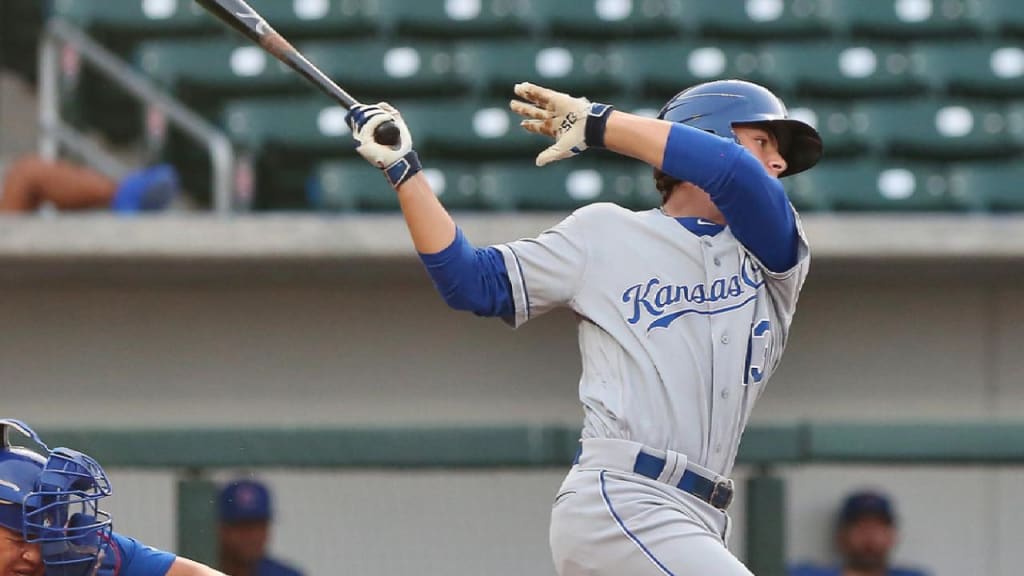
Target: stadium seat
x=996, y=186
x=136, y=18
x=902, y=19
x=601, y=19
x=379, y=69
x=353, y=185
x=972, y=68
x=837, y=70
x=308, y=124
x=458, y=18
x=875, y=187
x=577, y=68
x=940, y=130
x=469, y=129
x=835, y=122
x=320, y=18
x=759, y=19
x=1003, y=16
x=205, y=71
x=663, y=68
x=562, y=186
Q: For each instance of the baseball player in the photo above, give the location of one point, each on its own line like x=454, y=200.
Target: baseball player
x=51, y=524
x=683, y=310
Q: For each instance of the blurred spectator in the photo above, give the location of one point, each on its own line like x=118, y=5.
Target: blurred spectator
x=245, y=514
x=31, y=182
x=865, y=537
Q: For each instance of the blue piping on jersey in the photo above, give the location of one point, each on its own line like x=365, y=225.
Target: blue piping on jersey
x=629, y=534
x=664, y=321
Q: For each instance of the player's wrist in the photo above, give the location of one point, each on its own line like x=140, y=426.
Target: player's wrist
x=597, y=121
x=403, y=169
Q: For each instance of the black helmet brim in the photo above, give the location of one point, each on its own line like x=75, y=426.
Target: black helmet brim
x=799, y=143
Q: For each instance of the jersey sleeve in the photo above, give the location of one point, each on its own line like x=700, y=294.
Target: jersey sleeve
x=124, y=556
x=547, y=271
x=783, y=290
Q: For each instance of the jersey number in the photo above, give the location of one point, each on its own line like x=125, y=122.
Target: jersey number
x=757, y=351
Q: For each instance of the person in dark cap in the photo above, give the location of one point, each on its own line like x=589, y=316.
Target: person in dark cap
x=865, y=537
x=245, y=515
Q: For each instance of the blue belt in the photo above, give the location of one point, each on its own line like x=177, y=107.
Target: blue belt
x=719, y=494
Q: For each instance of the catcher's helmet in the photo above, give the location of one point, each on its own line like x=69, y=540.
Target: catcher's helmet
x=718, y=106
x=51, y=498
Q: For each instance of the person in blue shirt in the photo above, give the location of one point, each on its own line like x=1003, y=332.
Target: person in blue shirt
x=51, y=523
x=245, y=515
x=865, y=537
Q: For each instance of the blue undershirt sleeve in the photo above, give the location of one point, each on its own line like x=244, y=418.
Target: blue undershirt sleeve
x=469, y=278
x=753, y=202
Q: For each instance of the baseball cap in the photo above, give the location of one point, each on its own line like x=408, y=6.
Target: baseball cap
x=866, y=503
x=244, y=500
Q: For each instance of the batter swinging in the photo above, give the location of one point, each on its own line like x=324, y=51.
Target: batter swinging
x=684, y=310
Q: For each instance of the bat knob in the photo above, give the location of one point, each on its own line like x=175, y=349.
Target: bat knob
x=387, y=134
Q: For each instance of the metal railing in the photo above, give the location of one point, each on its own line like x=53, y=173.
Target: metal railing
x=55, y=132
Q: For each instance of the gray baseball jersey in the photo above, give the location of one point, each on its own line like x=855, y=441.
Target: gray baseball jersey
x=679, y=333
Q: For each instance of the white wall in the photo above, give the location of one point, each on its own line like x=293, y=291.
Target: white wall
x=388, y=352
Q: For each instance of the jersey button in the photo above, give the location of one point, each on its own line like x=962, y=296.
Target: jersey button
x=725, y=394
x=718, y=448
x=718, y=261
x=725, y=339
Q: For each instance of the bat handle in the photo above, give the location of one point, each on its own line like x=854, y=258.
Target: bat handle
x=387, y=134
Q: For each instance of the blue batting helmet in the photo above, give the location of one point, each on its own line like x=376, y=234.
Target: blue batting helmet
x=718, y=106
x=51, y=498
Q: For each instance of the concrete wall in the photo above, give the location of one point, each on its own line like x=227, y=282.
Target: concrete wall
x=384, y=350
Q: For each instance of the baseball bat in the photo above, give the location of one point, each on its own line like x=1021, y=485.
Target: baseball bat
x=241, y=17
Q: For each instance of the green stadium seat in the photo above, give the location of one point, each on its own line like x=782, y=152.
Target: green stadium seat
x=642, y=65
x=380, y=69
x=996, y=186
x=877, y=187
x=601, y=19
x=459, y=18
x=469, y=129
x=320, y=18
x=304, y=123
x=972, y=68
x=836, y=70
x=355, y=186
x=205, y=71
x=562, y=186
x=1015, y=117
x=759, y=19
x=901, y=19
x=577, y=68
x=940, y=130
x=136, y=18
x=835, y=122
x=1003, y=16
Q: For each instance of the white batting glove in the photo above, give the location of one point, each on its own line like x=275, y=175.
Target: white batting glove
x=574, y=123
x=398, y=162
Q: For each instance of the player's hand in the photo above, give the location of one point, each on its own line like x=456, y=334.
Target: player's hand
x=364, y=119
x=562, y=117
x=399, y=162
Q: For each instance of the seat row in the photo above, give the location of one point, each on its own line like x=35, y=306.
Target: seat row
x=833, y=186
x=212, y=67
x=585, y=18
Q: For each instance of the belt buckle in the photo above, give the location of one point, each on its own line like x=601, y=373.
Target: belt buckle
x=722, y=493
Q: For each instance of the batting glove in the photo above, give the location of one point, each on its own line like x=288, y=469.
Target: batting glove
x=398, y=162
x=575, y=123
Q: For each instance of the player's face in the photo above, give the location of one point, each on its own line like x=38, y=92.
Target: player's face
x=245, y=541
x=763, y=145
x=17, y=557
x=866, y=543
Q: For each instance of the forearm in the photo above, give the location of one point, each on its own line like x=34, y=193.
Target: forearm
x=431, y=227
x=637, y=137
